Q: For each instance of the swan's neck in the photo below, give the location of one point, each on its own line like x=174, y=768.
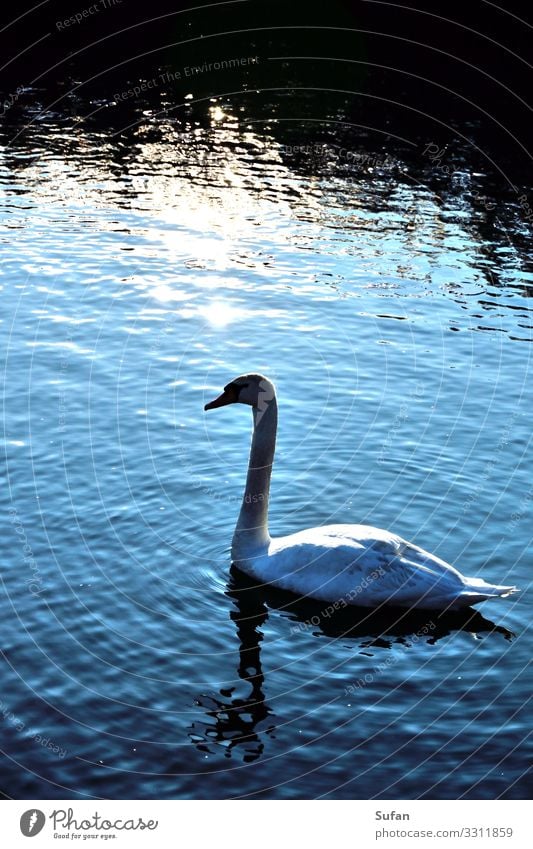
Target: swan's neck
x=251, y=533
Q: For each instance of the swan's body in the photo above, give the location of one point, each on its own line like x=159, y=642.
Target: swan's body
x=339, y=564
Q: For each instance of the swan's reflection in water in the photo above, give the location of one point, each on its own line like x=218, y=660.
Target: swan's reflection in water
x=231, y=721
x=247, y=722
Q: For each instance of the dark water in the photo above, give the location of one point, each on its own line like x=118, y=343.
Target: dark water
x=147, y=260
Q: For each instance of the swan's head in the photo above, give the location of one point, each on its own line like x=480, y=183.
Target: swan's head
x=252, y=389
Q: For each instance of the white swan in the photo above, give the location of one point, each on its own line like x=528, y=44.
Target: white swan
x=339, y=564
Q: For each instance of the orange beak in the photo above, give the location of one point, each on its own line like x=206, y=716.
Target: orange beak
x=227, y=397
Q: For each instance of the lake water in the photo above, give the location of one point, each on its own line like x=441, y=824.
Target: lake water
x=145, y=267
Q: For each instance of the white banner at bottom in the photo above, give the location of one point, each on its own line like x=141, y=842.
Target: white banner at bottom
x=241, y=824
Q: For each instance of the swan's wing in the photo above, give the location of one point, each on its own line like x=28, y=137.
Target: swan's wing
x=359, y=564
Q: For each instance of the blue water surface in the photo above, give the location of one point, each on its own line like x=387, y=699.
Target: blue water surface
x=139, y=277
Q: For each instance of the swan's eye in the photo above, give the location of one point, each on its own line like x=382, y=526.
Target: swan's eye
x=236, y=387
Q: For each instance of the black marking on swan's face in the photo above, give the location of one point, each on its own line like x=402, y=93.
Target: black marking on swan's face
x=236, y=388
x=252, y=389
